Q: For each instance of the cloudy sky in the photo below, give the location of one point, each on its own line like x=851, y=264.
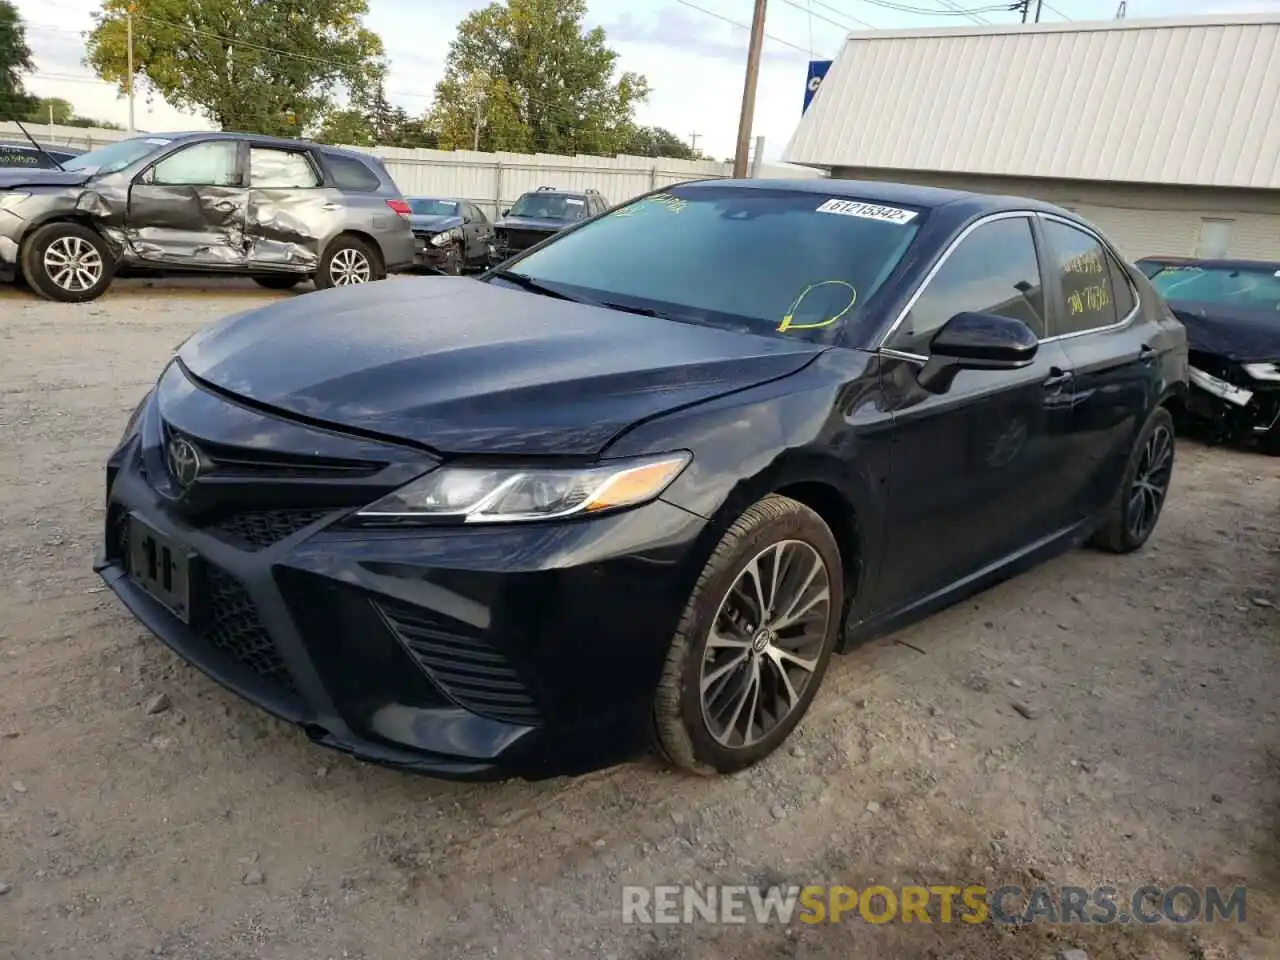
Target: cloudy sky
x=690, y=51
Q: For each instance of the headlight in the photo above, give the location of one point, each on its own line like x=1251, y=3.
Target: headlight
x=9, y=201
x=1262, y=371
x=131, y=427
x=448, y=236
x=505, y=495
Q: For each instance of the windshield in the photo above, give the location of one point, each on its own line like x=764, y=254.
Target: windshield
x=115, y=156
x=430, y=207
x=549, y=206
x=767, y=261
x=1255, y=287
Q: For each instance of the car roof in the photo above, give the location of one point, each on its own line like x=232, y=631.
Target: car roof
x=891, y=192
x=255, y=137
x=1215, y=263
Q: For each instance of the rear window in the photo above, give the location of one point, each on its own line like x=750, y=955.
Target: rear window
x=350, y=173
x=768, y=260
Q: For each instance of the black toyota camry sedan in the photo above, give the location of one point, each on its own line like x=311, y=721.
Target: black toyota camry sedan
x=633, y=488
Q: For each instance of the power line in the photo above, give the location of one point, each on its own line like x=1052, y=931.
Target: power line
x=835, y=10
x=744, y=26
x=933, y=12
x=1058, y=12
x=972, y=16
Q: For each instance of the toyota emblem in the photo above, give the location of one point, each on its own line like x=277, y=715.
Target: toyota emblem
x=183, y=460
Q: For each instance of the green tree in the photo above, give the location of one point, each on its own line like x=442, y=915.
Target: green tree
x=50, y=109
x=15, y=58
x=530, y=77
x=658, y=142
x=249, y=65
x=373, y=120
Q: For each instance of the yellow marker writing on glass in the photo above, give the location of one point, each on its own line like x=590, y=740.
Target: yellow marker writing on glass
x=788, y=319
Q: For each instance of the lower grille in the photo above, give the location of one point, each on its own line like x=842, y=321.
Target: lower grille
x=258, y=529
x=466, y=667
x=228, y=621
x=520, y=239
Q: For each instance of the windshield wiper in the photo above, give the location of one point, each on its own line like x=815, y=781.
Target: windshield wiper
x=526, y=282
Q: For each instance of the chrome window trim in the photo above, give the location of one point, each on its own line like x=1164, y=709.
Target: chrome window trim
x=1111, y=255
x=942, y=260
x=963, y=235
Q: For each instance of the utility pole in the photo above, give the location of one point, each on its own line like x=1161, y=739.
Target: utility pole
x=693, y=141
x=1039, y=5
x=1026, y=8
x=749, y=91
x=128, y=21
x=479, y=119
x=757, y=158
x=1122, y=10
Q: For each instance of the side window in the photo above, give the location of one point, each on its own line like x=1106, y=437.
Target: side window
x=350, y=174
x=477, y=214
x=1122, y=288
x=469, y=213
x=208, y=164
x=993, y=270
x=1084, y=271
x=270, y=168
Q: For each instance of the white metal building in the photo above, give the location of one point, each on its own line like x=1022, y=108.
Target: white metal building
x=1165, y=133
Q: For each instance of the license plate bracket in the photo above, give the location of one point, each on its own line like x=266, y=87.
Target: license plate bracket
x=161, y=568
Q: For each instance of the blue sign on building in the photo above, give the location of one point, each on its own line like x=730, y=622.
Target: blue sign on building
x=817, y=70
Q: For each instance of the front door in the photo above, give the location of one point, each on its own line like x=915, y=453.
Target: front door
x=973, y=472
x=292, y=212
x=478, y=233
x=189, y=208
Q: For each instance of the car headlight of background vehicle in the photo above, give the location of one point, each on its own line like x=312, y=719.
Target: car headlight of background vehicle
x=1262, y=371
x=10, y=200
x=510, y=494
x=447, y=236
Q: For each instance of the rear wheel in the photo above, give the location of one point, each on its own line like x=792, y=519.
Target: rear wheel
x=1132, y=516
x=754, y=641
x=348, y=261
x=277, y=281
x=67, y=262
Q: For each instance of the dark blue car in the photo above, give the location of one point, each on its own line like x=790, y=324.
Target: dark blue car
x=632, y=489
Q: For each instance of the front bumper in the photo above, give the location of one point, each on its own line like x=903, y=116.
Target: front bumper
x=1235, y=405
x=527, y=650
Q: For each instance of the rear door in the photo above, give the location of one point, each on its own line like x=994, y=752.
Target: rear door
x=189, y=208
x=1115, y=351
x=292, y=211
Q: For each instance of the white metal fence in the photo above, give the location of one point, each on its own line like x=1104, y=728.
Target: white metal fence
x=491, y=180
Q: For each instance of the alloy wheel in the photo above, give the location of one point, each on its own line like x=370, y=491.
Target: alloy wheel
x=765, y=643
x=1150, y=483
x=73, y=264
x=350, y=266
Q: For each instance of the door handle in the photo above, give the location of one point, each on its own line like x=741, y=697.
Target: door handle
x=1058, y=377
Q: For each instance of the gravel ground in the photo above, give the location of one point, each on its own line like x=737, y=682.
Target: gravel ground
x=1099, y=720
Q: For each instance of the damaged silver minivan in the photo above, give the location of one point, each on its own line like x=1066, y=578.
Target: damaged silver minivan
x=277, y=210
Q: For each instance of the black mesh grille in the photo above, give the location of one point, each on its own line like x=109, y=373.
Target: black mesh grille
x=229, y=621
x=467, y=668
x=521, y=239
x=257, y=529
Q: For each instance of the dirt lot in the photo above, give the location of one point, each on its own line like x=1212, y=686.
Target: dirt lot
x=1149, y=749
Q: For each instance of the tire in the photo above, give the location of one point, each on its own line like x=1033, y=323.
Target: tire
x=349, y=261
x=685, y=732
x=455, y=261
x=67, y=262
x=281, y=281
x=1116, y=533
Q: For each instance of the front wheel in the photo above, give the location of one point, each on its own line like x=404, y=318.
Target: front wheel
x=1132, y=516
x=753, y=642
x=67, y=262
x=348, y=261
x=454, y=260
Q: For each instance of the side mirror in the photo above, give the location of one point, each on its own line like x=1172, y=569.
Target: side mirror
x=977, y=341
x=506, y=212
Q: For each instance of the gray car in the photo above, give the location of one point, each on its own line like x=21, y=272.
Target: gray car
x=280, y=211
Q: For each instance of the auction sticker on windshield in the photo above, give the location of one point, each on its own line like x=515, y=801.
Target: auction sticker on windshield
x=868, y=211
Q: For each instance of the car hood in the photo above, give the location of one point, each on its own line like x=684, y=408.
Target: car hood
x=40, y=177
x=434, y=222
x=462, y=366
x=533, y=223
x=1242, y=334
